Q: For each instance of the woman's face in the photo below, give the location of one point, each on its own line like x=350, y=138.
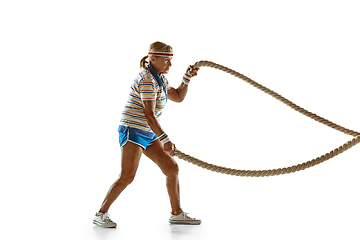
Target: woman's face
x=161, y=64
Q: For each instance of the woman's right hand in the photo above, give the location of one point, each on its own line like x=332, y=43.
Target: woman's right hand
x=169, y=148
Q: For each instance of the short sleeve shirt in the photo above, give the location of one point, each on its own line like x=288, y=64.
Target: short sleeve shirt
x=144, y=88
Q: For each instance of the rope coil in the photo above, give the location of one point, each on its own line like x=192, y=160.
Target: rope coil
x=279, y=171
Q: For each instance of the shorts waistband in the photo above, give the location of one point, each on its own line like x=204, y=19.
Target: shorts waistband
x=139, y=132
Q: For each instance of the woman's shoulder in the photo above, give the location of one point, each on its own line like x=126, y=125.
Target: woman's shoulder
x=146, y=76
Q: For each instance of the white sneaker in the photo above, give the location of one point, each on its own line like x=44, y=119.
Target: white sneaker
x=183, y=218
x=103, y=220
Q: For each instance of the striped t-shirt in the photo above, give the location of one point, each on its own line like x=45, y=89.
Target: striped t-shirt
x=144, y=88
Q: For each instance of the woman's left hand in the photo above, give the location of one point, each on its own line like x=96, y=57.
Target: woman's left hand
x=169, y=148
x=191, y=71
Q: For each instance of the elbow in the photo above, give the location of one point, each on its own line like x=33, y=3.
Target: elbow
x=180, y=96
x=149, y=115
x=179, y=99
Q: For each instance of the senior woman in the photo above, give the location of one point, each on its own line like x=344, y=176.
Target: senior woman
x=140, y=132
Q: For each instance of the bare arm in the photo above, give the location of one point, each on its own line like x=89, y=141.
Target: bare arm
x=149, y=109
x=178, y=94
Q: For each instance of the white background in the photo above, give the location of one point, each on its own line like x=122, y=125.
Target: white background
x=65, y=71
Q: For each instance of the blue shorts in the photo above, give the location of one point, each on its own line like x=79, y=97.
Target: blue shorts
x=136, y=136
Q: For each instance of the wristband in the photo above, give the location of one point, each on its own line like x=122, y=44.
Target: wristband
x=186, y=79
x=164, y=138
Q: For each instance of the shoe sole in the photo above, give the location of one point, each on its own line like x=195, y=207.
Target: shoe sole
x=101, y=225
x=185, y=223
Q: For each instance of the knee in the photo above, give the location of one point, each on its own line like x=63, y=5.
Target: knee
x=172, y=170
x=126, y=179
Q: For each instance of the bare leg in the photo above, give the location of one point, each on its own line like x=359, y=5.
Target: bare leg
x=170, y=168
x=130, y=158
x=173, y=188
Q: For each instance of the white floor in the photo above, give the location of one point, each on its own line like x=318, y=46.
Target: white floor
x=317, y=203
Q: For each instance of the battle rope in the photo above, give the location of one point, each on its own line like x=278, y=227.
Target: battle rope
x=272, y=172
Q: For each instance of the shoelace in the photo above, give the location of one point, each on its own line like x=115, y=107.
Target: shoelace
x=106, y=217
x=186, y=217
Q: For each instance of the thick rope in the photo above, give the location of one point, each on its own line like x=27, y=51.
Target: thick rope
x=273, y=172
